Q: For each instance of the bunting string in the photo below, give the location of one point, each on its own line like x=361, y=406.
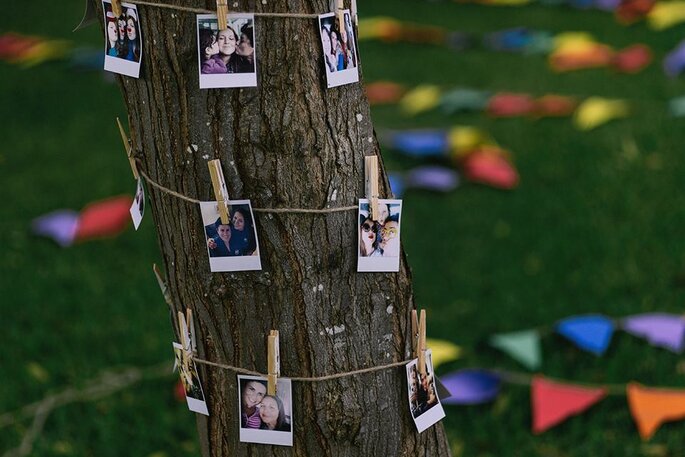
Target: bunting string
x=206, y=11
x=166, y=190
x=306, y=378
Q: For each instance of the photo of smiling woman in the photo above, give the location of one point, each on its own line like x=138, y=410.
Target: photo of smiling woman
x=123, y=44
x=265, y=419
x=379, y=240
x=231, y=246
x=226, y=57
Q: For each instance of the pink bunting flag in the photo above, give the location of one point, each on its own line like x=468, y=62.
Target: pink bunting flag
x=553, y=402
x=104, y=218
x=632, y=59
x=507, y=104
x=484, y=167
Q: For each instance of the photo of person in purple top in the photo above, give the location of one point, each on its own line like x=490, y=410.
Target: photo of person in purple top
x=252, y=394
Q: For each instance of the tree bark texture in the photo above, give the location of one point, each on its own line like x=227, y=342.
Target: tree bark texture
x=290, y=142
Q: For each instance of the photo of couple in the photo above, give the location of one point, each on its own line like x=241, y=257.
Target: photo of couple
x=339, y=48
x=123, y=45
x=226, y=57
x=264, y=418
x=195, y=397
x=232, y=246
x=379, y=240
x=424, y=402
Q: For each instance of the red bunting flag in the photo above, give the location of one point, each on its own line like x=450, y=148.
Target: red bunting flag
x=553, y=402
x=104, y=218
x=651, y=407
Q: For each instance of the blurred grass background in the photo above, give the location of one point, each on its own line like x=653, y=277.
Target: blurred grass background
x=593, y=227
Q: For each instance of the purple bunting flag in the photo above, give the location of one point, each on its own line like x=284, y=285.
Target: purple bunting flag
x=660, y=329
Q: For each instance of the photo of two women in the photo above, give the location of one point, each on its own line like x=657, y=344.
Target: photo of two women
x=226, y=51
x=265, y=418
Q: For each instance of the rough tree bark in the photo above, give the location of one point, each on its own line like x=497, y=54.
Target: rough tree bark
x=290, y=142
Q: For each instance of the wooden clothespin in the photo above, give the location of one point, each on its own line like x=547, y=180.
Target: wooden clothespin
x=220, y=190
x=418, y=331
x=274, y=362
x=222, y=14
x=129, y=150
x=339, y=8
x=353, y=12
x=186, y=331
x=116, y=8
x=162, y=285
x=371, y=184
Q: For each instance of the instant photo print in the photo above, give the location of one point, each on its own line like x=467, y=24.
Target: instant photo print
x=379, y=241
x=226, y=58
x=234, y=246
x=424, y=402
x=138, y=206
x=265, y=419
x=195, y=397
x=340, y=55
x=123, y=41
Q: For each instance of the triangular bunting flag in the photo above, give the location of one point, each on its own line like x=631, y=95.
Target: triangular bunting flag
x=553, y=402
x=660, y=329
x=442, y=351
x=652, y=407
x=471, y=386
x=591, y=333
x=523, y=347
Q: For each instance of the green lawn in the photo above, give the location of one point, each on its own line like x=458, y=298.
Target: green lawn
x=593, y=227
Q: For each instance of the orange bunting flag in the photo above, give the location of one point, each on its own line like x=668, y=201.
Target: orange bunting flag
x=651, y=407
x=554, y=402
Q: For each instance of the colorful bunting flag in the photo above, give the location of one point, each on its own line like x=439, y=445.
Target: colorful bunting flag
x=59, y=225
x=429, y=177
x=486, y=165
x=471, y=386
x=104, y=218
x=421, y=98
x=666, y=14
x=553, y=402
x=591, y=333
x=651, y=407
x=523, y=347
x=507, y=104
x=660, y=329
x=381, y=92
x=442, y=351
x=596, y=111
x=418, y=143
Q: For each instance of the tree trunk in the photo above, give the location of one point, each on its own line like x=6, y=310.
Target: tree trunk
x=290, y=142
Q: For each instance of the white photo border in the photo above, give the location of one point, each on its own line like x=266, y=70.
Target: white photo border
x=236, y=263
x=248, y=435
x=117, y=64
x=436, y=413
x=228, y=80
x=342, y=77
x=379, y=264
x=194, y=404
x=136, y=214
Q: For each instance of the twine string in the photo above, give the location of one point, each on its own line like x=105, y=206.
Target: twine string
x=190, y=9
x=304, y=378
x=256, y=210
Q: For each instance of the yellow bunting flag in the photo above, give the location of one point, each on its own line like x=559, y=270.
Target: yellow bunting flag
x=422, y=98
x=442, y=351
x=464, y=139
x=596, y=111
x=651, y=407
x=666, y=14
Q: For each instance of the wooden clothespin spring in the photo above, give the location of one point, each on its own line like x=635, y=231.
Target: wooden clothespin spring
x=339, y=8
x=220, y=190
x=222, y=14
x=274, y=362
x=371, y=184
x=418, y=331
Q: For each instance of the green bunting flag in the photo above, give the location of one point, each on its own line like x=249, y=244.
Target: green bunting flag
x=523, y=347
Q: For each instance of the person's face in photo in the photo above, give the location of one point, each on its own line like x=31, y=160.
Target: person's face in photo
x=368, y=235
x=112, y=33
x=245, y=47
x=385, y=212
x=334, y=41
x=131, y=29
x=122, y=28
x=389, y=230
x=213, y=49
x=253, y=394
x=238, y=221
x=326, y=40
x=227, y=42
x=224, y=232
x=268, y=411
